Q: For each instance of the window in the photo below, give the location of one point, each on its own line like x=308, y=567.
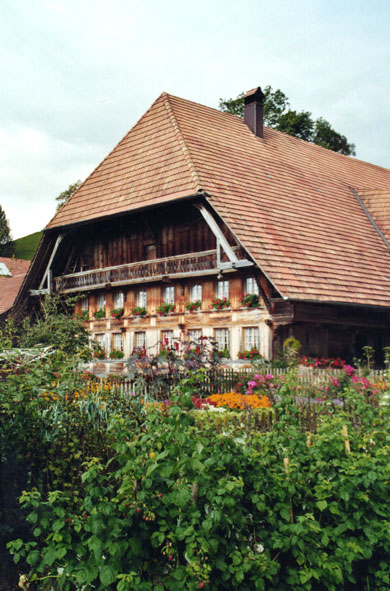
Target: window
x=141, y=298
x=85, y=304
x=195, y=336
x=118, y=341
x=223, y=289
x=166, y=338
x=119, y=300
x=101, y=341
x=169, y=294
x=222, y=338
x=196, y=292
x=251, y=338
x=140, y=340
x=101, y=301
x=251, y=287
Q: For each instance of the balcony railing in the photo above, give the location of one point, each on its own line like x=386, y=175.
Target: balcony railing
x=199, y=263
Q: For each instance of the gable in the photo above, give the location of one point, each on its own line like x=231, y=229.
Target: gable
x=288, y=202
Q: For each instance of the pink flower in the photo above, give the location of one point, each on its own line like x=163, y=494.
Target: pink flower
x=349, y=370
x=335, y=382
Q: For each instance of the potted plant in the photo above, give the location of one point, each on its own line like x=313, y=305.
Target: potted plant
x=116, y=312
x=100, y=313
x=250, y=300
x=164, y=308
x=116, y=354
x=193, y=306
x=220, y=303
x=139, y=311
x=252, y=353
x=99, y=354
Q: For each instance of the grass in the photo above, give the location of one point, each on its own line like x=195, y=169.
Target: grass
x=25, y=247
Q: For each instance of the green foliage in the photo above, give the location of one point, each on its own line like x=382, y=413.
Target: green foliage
x=25, y=248
x=278, y=115
x=56, y=327
x=63, y=197
x=5, y=232
x=122, y=493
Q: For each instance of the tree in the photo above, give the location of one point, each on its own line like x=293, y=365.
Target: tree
x=67, y=194
x=5, y=232
x=6, y=243
x=278, y=115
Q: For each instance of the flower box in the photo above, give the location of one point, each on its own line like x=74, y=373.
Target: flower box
x=139, y=311
x=101, y=313
x=116, y=312
x=250, y=300
x=193, y=306
x=164, y=308
x=220, y=303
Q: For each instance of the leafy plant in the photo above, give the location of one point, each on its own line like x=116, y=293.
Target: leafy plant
x=139, y=311
x=100, y=313
x=164, y=308
x=116, y=354
x=117, y=312
x=193, y=306
x=252, y=353
x=220, y=303
x=250, y=300
x=83, y=315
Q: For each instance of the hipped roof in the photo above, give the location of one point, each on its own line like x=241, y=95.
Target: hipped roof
x=291, y=204
x=10, y=284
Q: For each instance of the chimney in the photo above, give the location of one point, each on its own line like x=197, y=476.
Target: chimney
x=254, y=111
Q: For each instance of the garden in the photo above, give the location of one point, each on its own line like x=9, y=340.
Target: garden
x=278, y=483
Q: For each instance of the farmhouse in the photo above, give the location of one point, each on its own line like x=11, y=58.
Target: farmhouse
x=199, y=223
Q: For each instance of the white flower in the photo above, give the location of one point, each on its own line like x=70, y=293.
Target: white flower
x=258, y=548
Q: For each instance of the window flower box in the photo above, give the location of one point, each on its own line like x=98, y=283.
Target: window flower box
x=100, y=313
x=139, y=311
x=250, y=300
x=220, y=303
x=116, y=312
x=252, y=353
x=164, y=308
x=193, y=306
x=116, y=354
x=100, y=354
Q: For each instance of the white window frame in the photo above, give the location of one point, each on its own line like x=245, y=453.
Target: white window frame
x=118, y=341
x=101, y=301
x=140, y=340
x=251, y=337
x=222, y=338
x=251, y=287
x=196, y=292
x=169, y=294
x=85, y=304
x=119, y=300
x=195, y=336
x=142, y=298
x=223, y=289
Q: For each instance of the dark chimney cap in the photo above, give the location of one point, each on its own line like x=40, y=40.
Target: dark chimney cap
x=254, y=111
x=253, y=95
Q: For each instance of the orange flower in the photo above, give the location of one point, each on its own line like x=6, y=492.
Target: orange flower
x=239, y=401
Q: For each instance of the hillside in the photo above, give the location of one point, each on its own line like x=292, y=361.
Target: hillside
x=25, y=247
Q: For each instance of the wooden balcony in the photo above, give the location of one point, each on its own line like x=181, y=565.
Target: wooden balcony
x=187, y=265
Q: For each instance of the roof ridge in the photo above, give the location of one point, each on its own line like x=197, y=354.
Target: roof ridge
x=183, y=143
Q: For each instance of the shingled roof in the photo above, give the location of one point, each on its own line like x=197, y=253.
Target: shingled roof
x=291, y=204
x=12, y=273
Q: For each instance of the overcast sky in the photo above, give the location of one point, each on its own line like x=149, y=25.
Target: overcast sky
x=76, y=75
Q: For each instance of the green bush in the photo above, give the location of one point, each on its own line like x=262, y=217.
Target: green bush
x=179, y=506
